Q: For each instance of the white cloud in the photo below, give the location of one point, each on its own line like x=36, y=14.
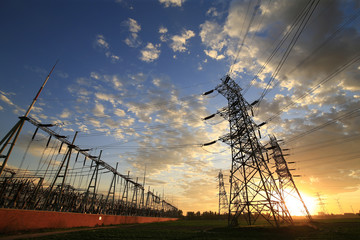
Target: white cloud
x=107, y=97
x=115, y=80
x=179, y=41
x=65, y=114
x=163, y=36
x=6, y=100
x=102, y=43
x=133, y=25
x=213, y=35
x=212, y=12
x=150, y=53
x=163, y=30
x=134, y=28
x=95, y=75
x=156, y=82
x=99, y=110
x=213, y=54
x=17, y=110
x=119, y=112
x=172, y=3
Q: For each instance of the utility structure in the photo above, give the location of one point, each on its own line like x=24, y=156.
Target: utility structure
x=253, y=190
x=223, y=201
x=8, y=142
x=321, y=204
x=285, y=179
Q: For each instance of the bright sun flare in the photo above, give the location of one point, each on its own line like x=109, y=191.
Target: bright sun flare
x=296, y=208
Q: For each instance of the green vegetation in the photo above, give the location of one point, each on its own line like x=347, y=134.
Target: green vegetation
x=217, y=229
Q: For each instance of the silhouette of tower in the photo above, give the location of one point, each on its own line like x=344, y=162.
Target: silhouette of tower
x=253, y=190
x=286, y=181
x=340, y=207
x=321, y=204
x=223, y=201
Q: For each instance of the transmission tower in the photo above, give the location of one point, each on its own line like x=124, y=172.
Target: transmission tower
x=223, y=201
x=253, y=191
x=286, y=181
x=340, y=207
x=321, y=204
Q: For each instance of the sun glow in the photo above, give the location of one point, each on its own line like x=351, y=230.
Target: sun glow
x=296, y=208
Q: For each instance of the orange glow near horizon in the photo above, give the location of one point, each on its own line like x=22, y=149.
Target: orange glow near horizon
x=296, y=208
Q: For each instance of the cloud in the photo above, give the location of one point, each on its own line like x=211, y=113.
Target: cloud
x=212, y=12
x=119, y=112
x=103, y=44
x=134, y=28
x=16, y=109
x=213, y=54
x=100, y=40
x=163, y=34
x=163, y=30
x=65, y=114
x=172, y=3
x=213, y=36
x=99, y=110
x=179, y=42
x=150, y=53
x=6, y=100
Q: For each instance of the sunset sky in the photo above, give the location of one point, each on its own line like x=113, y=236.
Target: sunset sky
x=131, y=74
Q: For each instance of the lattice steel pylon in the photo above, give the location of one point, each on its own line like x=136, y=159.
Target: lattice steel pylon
x=223, y=201
x=285, y=179
x=253, y=190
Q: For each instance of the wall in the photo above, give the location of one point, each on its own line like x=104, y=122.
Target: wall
x=12, y=220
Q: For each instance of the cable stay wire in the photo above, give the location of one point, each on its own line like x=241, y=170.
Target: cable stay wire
x=342, y=117
x=256, y=8
x=306, y=17
x=316, y=87
x=324, y=144
x=202, y=147
x=350, y=20
x=278, y=46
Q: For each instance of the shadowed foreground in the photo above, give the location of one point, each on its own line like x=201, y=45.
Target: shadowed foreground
x=203, y=229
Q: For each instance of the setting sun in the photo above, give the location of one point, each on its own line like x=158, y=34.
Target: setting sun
x=296, y=208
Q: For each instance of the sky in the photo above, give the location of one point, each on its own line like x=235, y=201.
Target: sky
x=131, y=75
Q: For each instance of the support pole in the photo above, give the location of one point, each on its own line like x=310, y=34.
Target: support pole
x=18, y=126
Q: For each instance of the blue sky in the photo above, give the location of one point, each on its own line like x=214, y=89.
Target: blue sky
x=131, y=74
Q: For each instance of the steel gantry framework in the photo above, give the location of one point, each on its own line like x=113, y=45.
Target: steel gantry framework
x=54, y=190
x=285, y=179
x=223, y=200
x=253, y=190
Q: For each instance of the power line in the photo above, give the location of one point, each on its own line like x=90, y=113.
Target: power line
x=342, y=117
x=306, y=16
x=314, y=88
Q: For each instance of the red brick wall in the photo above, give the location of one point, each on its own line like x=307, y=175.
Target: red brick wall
x=15, y=220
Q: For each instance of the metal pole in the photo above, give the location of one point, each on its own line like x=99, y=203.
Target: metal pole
x=20, y=124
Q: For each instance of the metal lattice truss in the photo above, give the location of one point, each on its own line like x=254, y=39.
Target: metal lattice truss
x=253, y=190
x=223, y=200
x=33, y=193
x=286, y=181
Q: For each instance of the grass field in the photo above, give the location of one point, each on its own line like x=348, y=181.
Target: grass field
x=217, y=229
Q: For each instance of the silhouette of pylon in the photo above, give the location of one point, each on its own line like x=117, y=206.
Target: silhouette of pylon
x=286, y=181
x=253, y=190
x=223, y=201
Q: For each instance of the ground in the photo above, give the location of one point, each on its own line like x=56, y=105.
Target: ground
x=212, y=229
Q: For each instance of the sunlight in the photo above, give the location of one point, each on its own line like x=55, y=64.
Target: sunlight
x=296, y=208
